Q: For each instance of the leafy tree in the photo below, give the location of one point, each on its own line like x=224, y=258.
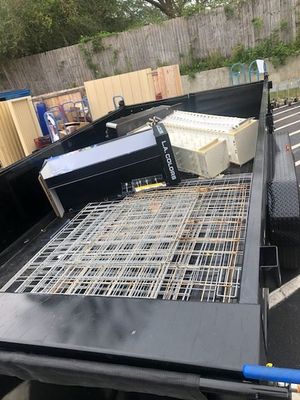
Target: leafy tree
x=177, y=8
x=171, y=8
x=33, y=26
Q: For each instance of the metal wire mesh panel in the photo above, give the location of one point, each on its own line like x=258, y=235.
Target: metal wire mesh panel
x=182, y=243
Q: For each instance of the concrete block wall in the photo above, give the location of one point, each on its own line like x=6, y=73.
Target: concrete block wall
x=220, y=77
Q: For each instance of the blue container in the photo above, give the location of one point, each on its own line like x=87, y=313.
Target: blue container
x=14, y=94
x=41, y=108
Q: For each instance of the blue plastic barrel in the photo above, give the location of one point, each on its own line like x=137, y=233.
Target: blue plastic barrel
x=41, y=108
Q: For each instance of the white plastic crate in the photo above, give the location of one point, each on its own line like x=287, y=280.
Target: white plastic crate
x=239, y=133
x=208, y=162
x=201, y=155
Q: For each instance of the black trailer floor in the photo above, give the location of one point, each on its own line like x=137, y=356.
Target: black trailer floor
x=45, y=308
x=18, y=254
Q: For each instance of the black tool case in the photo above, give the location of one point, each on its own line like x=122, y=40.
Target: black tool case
x=179, y=349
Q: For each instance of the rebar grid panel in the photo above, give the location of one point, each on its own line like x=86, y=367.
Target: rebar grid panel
x=179, y=243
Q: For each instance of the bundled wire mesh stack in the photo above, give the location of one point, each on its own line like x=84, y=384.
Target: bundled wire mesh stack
x=179, y=243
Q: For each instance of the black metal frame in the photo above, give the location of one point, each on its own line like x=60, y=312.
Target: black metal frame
x=257, y=213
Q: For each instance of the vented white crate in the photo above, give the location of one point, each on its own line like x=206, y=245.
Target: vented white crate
x=198, y=154
x=208, y=162
x=240, y=134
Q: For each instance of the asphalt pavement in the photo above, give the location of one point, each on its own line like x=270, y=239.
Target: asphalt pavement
x=287, y=120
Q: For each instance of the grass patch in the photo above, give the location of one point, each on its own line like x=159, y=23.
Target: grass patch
x=258, y=23
x=272, y=48
x=282, y=94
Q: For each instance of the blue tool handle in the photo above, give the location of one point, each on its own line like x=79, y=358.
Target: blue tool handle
x=285, y=375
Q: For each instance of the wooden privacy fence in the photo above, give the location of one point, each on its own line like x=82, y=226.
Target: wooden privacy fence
x=176, y=41
x=134, y=87
x=167, y=82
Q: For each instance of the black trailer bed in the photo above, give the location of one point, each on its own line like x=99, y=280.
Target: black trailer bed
x=96, y=325
x=139, y=345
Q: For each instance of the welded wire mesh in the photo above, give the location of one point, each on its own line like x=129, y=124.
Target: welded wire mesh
x=182, y=243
